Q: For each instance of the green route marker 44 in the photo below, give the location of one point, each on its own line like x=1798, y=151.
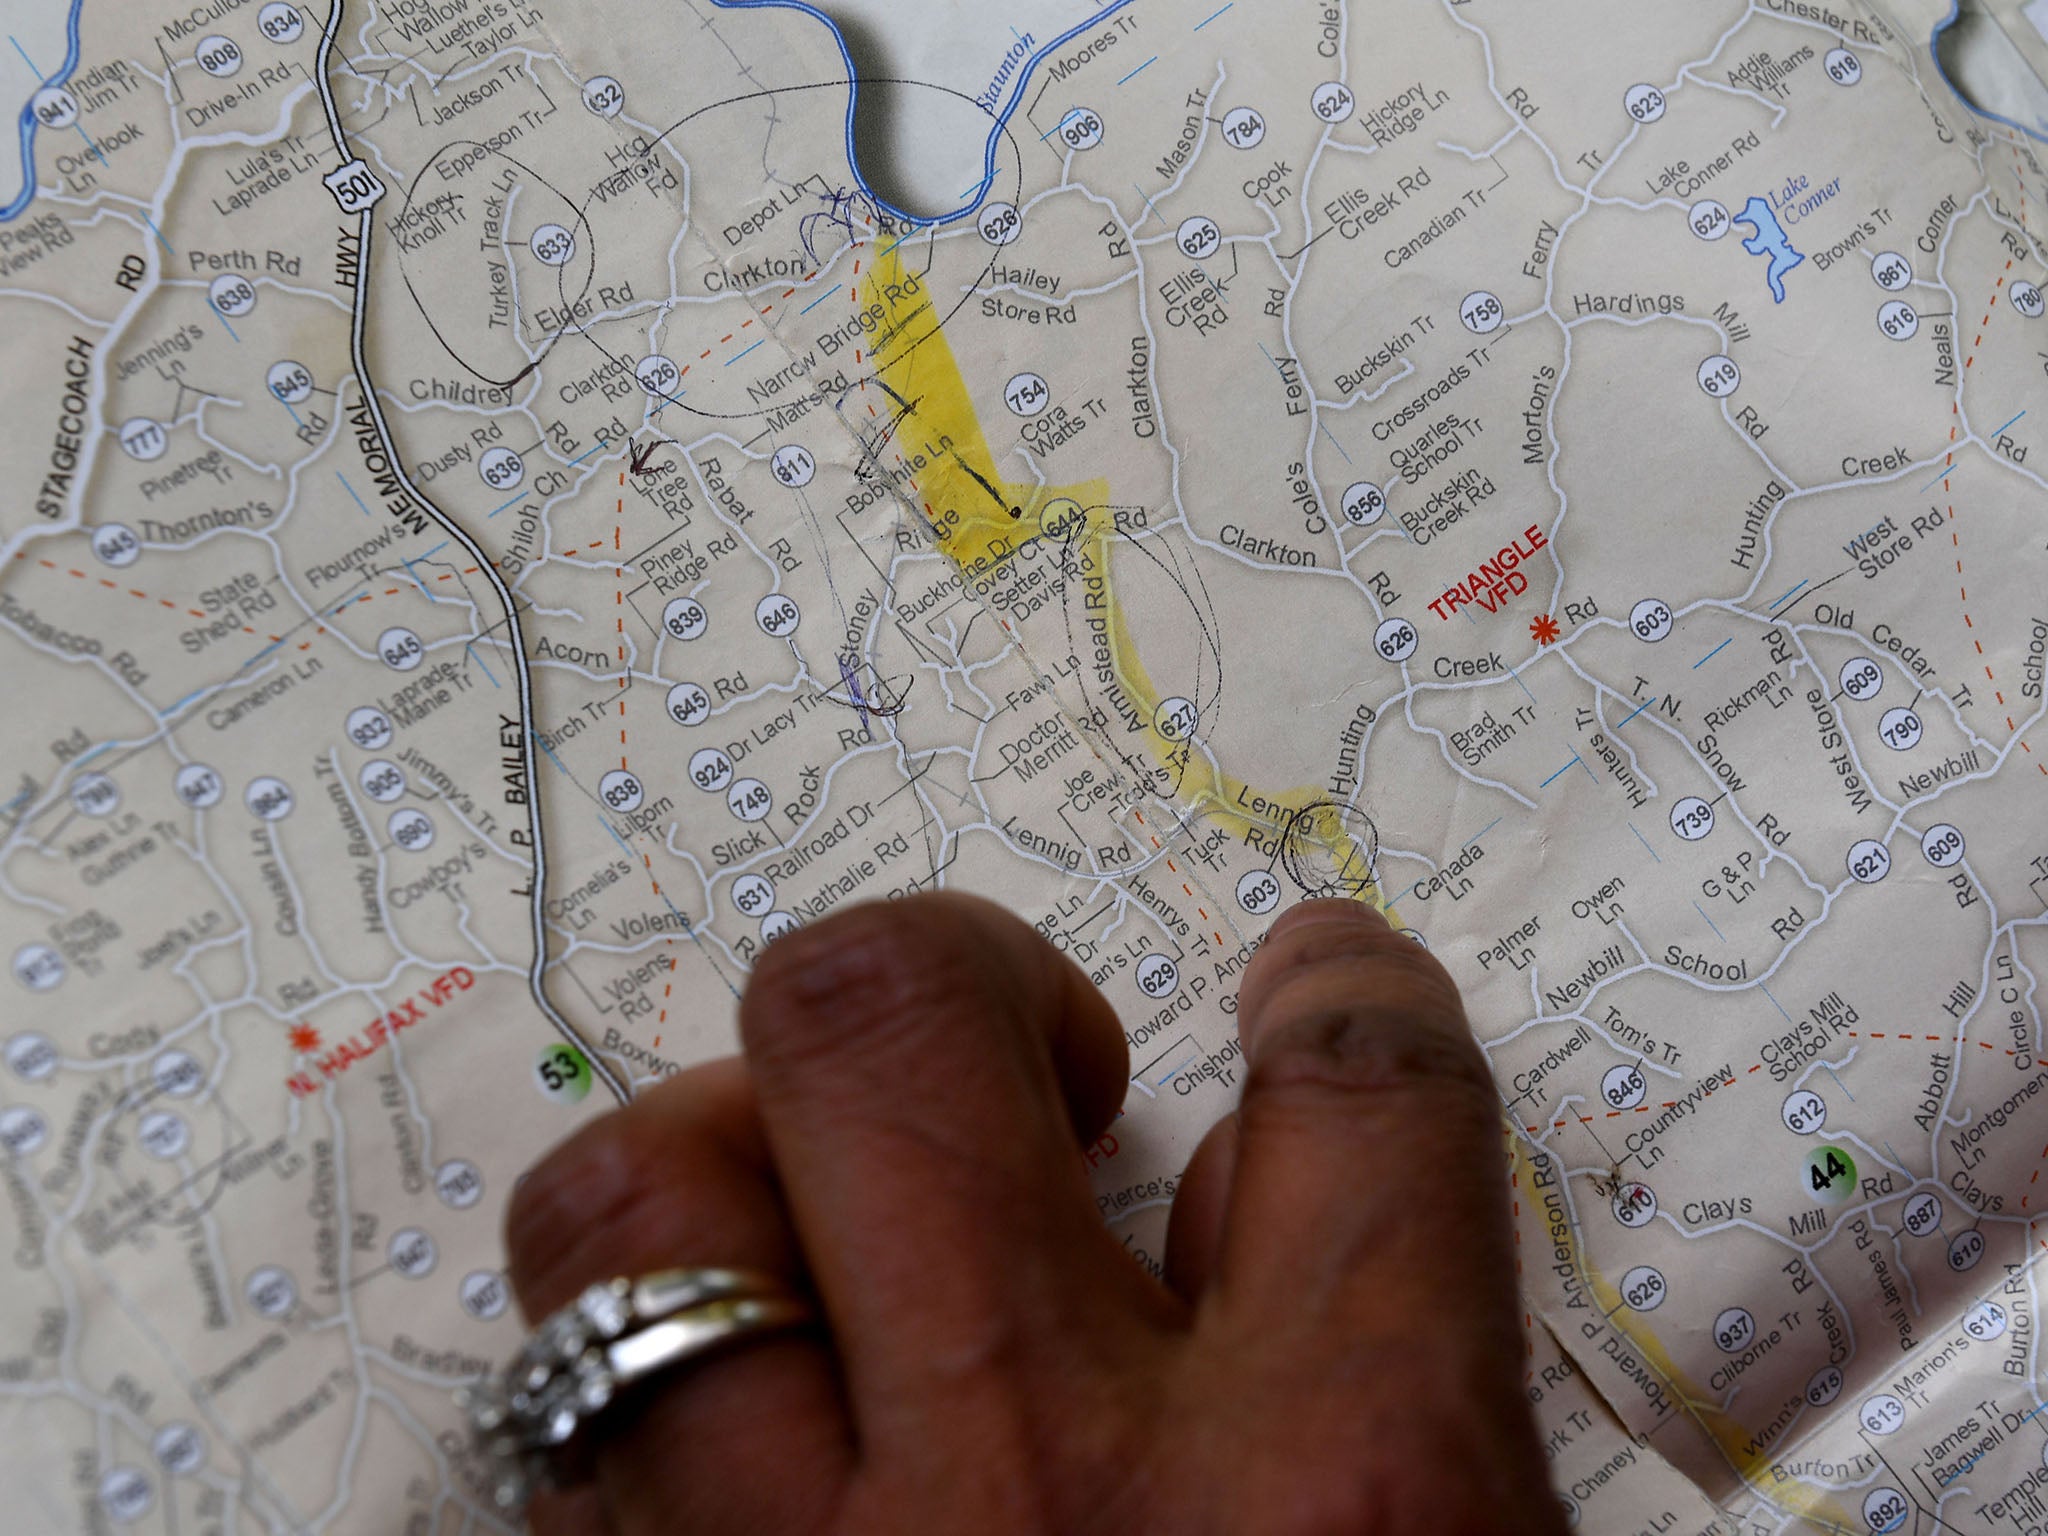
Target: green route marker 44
x=1828, y=1174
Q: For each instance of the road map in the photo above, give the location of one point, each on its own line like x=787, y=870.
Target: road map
x=504, y=518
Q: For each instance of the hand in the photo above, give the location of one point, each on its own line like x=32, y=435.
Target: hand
x=1335, y=1348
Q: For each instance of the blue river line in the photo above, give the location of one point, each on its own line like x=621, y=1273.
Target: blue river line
x=29, y=124
x=988, y=156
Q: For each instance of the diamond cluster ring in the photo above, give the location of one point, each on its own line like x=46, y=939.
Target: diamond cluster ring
x=525, y=1423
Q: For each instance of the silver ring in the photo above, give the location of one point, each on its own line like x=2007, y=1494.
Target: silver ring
x=526, y=1424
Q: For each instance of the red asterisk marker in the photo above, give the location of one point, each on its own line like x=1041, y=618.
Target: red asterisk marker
x=1543, y=629
x=304, y=1038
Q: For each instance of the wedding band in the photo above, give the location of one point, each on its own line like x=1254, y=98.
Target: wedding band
x=525, y=1424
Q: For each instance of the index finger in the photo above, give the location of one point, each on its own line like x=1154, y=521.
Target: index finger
x=927, y=1072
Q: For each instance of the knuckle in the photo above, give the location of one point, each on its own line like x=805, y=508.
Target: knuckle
x=584, y=1189
x=1334, y=1032
x=868, y=978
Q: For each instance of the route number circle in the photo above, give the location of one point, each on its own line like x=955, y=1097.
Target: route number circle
x=689, y=704
x=94, y=794
x=1709, y=220
x=1719, y=376
x=1882, y=1414
x=177, y=1074
x=1900, y=729
x=126, y=1494
x=999, y=223
x=411, y=829
x=484, y=1294
x=778, y=925
x=620, y=791
x=778, y=615
x=1364, y=504
x=179, y=1448
x=1331, y=101
x=1843, y=67
x=710, y=770
x=1922, y=1214
x=603, y=95
x=1176, y=719
x=1733, y=1330
x=401, y=649
x=1965, y=1249
x=1825, y=1385
x=412, y=1253
x=459, y=1184
x=231, y=295
x=289, y=381
x=1942, y=845
x=1482, y=312
x=1158, y=976
x=1830, y=1174
x=369, y=727
x=1885, y=1510
x=30, y=1056
x=561, y=1074
x=2026, y=298
x=1026, y=394
x=501, y=468
x=272, y=1291
x=1643, y=1289
x=115, y=544
x=552, y=245
x=1984, y=1322
x=218, y=56
x=1868, y=862
x=1244, y=128
x=1651, y=620
x=54, y=107
x=1898, y=320
x=1396, y=640
x=162, y=1134
x=753, y=895
x=1692, y=818
x=1804, y=1112
x=1862, y=678
x=271, y=799
x=23, y=1131
x=1258, y=892
x=1081, y=128
x=1891, y=271
x=41, y=969
x=1635, y=1205
x=1644, y=103
x=793, y=466
x=750, y=800
x=658, y=375
x=1624, y=1087
x=685, y=618
x=382, y=780
x=280, y=23
x=143, y=439
x=1198, y=237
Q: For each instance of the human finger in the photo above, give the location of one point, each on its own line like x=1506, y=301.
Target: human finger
x=754, y=1438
